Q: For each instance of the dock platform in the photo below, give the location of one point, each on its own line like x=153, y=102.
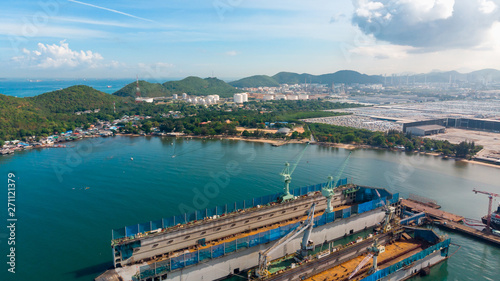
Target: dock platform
x=432, y=212
x=468, y=230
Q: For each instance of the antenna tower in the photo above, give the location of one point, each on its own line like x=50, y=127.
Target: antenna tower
x=137, y=90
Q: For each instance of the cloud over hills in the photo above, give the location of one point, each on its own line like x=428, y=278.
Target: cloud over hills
x=57, y=56
x=427, y=24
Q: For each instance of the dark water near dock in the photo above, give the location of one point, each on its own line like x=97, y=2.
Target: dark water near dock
x=68, y=200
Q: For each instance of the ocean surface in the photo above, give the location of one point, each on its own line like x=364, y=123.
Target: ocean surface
x=33, y=87
x=69, y=199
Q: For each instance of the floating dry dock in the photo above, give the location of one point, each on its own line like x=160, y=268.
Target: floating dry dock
x=214, y=243
x=407, y=251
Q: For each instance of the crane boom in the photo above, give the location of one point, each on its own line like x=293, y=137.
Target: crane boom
x=287, y=175
x=332, y=183
x=486, y=192
x=263, y=256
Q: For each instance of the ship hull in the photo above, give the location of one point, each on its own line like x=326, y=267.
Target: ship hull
x=495, y=221
x=416, y=269
x=238, y=261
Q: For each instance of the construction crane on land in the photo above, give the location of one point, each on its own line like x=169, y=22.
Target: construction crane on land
x=306, y=245
x=287, y=175
x=490, y=197
x=329, y=190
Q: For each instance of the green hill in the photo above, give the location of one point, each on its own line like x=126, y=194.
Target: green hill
x=343, y=76
x=71, y=99
x=201, y=87
x=291, y=78
x=147, y=90
x=19, y=115
x=255, y=81
x=52, y=111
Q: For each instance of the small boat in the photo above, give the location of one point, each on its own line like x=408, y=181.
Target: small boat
x=109, y=86
x=132, y=158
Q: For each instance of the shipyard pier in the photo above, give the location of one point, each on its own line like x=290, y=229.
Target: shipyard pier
x=217, y=242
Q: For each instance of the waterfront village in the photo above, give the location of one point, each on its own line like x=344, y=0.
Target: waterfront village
x=107, y=129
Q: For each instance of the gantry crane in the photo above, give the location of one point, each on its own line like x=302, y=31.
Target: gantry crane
x=287, y=175
x=329, y=190
x=306, y=226
x=490, y=197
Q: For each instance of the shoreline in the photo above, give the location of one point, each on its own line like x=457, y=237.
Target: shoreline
x=293, y=141
x=479, y=163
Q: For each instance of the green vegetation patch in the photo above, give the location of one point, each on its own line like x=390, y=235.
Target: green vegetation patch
x=255, y=81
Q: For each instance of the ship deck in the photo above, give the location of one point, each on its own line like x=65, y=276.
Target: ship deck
x=252, y=232
x=394, y=253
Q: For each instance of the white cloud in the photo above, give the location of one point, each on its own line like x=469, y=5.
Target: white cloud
x=383, y=51
x=368, y=9
x=58, y=56
x=486, y=6
x=231, y=53
x=429, y=25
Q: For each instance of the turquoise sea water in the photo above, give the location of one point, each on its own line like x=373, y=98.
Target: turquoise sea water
x=32, y=87
x=68, y=200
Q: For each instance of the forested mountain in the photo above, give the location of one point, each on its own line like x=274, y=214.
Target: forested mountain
x=343, y=76
x=71, y=99
x=255, y=81
x=53, y=111
x=201, y=87
x=147, y=90
x=190, y=85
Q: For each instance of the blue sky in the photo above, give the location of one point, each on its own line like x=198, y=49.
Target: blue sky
x=238, y=38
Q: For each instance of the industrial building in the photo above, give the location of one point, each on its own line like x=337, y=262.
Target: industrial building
x=462, y=123
x=426, y=130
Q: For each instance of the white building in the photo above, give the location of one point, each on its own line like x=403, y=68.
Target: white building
x=303, y=97
x=245, y=97
x=174, y=96
x=280, y=97
x=150, y=100
x=184, y=96
x=238, y=98
x=268, y=97
x=292, y=97
x=212, y=99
